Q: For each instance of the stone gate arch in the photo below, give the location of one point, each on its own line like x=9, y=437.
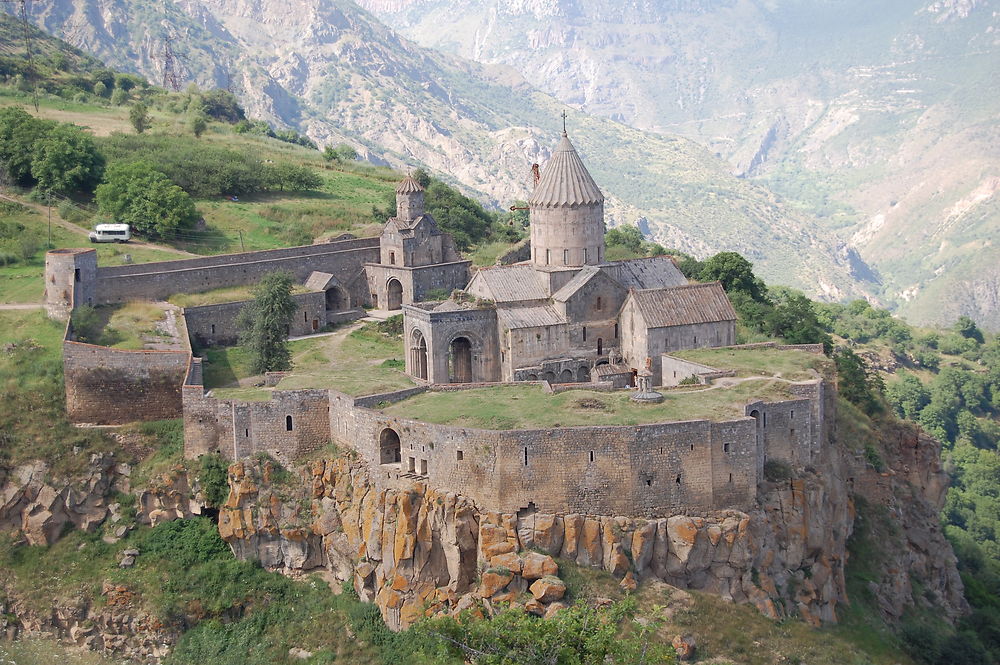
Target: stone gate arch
x=418, y=355
x=460, y=360
x=389, y=447
x=393, y=294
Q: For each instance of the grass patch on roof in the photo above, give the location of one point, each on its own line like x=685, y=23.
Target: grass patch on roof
x=527, y=407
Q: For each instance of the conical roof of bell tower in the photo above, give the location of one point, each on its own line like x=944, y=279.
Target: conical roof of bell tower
x=565, y=181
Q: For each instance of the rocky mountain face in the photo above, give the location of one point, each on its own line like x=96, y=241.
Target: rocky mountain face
x=879, y=123
x=331, y=69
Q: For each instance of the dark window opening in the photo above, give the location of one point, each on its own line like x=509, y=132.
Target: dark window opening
x=600, y=346
x=791, y=432
x=288, y=423
x=213, y=328
x=696, y=339
x=730, y=477
x=649, y=482
x=598, y=302
x=692, y=446
x=616, y=331
x=459, y=455
x=725, y=447
x=392, y=258
x=246, y=433
x=305, y=317
x=678, y=481
x=585, y=333
x=791, y=415
x=76, y=275
x=591, y=455
x=525, y=456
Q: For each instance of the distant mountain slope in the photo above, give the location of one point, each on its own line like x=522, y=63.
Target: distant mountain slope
x=882, y=122
x=330, y=68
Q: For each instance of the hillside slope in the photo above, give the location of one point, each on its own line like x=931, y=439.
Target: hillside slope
x=330, y=68
x=880, y=123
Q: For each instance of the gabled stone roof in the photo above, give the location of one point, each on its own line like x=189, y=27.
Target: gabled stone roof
x=408, y=186
x=513, y=318
x=572, y=286
x=684, y=305
x=655, y=272
x=565, y=181
x=508, y=284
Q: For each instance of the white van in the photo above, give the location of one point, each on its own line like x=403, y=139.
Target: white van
x=110, y=233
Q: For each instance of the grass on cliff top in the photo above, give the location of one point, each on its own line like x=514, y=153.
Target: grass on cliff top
x=33, y=423
x=356, y=360
x=223, y=295
x=518, y=407
x=792, y=365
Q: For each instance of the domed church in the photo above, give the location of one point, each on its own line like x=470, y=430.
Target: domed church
x=566, y=315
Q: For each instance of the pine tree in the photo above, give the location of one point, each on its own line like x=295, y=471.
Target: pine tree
x=265, y=322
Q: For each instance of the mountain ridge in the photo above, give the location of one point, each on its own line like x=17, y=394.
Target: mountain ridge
x=330, y=69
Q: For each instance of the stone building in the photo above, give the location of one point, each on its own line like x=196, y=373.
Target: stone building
x=415, y=258
x=567, y=310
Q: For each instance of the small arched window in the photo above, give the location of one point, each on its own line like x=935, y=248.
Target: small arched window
x=598, y=302
x=288, y=423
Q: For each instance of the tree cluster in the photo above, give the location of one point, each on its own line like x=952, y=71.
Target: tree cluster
x=56, y=157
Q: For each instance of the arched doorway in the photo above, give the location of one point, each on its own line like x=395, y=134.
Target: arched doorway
x=460, y=360
x=550, y=377
x=566, y=376
x=600, y=346
x=393, y=294
x=418, y=355
x=389, y=447
x=583, y=374
x=336, y=300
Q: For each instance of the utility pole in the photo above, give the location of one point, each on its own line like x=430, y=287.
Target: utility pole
x=242, y=246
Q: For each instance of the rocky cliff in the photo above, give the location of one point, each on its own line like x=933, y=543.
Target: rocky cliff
x=415, y=550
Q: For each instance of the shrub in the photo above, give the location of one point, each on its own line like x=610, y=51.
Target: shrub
x=777, y=471
x=214, y=479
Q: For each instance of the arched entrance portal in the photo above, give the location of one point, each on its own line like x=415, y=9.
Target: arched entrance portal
x=583, y=374
x=566, y=376
x=394, y=294
x=418, y=355
x=460, y=361
x=336, y=300
x=388, y=447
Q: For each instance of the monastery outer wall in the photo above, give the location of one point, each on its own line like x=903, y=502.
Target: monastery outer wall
x=158, y=281
x=109, y=386
x=644, y=470
x=211, y=325
x=290, y=424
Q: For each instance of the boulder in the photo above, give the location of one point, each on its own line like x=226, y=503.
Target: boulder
x=534, y=607
x=492, y=581
x=684, y=646
x=548, y=589
x=538, y=565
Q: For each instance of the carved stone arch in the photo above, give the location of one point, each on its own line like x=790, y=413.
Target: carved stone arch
x=393, y=294
x=418, y=354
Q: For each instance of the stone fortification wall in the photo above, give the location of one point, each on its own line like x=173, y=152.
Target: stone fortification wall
x=113, y=386
x=157, y=281
x=211, y=325
x=645, y=470
x=287, y=426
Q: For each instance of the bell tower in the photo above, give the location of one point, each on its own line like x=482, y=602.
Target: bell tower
x=409, y=199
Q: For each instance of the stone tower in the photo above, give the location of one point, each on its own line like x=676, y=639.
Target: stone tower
x=409, y=199
x=567, y=212
x=70, y=280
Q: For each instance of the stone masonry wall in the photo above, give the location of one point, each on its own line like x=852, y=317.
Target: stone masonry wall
x=211, y=325
x=113, y=386
x=157, y=281
x=644, y=470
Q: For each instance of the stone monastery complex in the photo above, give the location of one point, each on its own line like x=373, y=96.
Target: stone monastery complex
x=564, y=318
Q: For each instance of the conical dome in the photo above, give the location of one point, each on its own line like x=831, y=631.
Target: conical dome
x=565, y=181
x=408, y=186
